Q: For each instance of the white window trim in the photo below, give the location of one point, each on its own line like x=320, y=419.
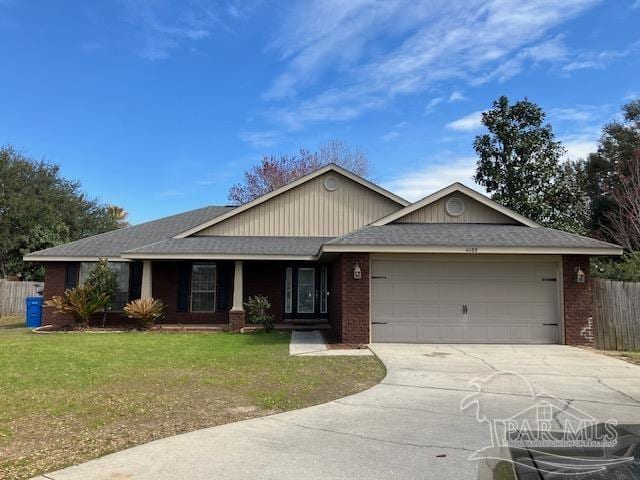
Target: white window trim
x=215, y=288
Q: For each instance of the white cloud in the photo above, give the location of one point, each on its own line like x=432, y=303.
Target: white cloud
x=392, y=135
x=432, y=104
x=468, y=123
x=457, y=96
x=416, y=184
x=579, y=146
x=580, y=113
x=257, y=139
x=443, y=41
x=597, y=59
x=162, y=27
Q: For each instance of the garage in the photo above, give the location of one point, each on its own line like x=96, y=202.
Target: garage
x=503, y=300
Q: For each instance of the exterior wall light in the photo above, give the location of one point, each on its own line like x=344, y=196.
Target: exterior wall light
x=580, y=276
x=357, y=273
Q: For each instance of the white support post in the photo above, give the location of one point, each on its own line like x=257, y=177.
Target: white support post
x=237, y=288
x=146, y=287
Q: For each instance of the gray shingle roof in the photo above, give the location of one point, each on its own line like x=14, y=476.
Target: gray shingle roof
x=466, y=235
x=112, y=244
x=235, y=245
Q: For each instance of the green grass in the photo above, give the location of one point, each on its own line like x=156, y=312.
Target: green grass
x=13, y=321
x=629, y=356
x=69, y=397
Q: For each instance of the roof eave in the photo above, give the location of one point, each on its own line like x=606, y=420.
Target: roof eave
x=592, y=251
x=67, y=258
x=216, y=256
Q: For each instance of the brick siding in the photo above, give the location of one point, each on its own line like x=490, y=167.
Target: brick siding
x=266, y=278
x=165, y=287
x=578, y=302
x=349, y=299
x=236, y=320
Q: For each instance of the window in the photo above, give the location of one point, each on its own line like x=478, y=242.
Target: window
x=323, y=290
x=203, y=287
x=288, y=291
x=122, y=277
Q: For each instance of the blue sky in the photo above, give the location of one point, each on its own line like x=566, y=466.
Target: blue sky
x=159, y=106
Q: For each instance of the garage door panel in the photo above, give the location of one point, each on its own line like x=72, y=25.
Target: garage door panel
x=423, y=301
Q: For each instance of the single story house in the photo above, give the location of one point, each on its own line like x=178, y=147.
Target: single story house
x=332, y=247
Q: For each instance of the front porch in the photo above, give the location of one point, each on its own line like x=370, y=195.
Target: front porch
x=205, y=295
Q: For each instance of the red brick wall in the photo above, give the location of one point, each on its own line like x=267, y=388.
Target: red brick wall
x=578, y=302
x=349, y=299
x=54, y=276
x=266, y=278
x=335, y=297
x=165, y=287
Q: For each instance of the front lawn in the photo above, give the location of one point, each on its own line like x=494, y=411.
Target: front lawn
x=628, y=356
x=12, y=321
x=69, y=397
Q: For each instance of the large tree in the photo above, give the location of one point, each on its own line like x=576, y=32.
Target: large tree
x=614, y=160
x=275, y=171
x=40, y=209
x=520, y=166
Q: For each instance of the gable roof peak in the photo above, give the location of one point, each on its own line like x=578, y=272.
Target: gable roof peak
x=304, y=179
x=456, y=187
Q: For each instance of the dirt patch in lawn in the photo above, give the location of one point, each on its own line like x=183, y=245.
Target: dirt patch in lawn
x=69, y=398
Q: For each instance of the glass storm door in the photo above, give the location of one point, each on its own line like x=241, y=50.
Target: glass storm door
x=306, y=290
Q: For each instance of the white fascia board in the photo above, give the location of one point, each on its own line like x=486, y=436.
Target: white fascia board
x=328, y=168
x=36, y=258
x=214, y=256
x=472, y=250
x=455, y=187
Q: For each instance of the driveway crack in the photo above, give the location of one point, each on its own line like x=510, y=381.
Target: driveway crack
x=605, y=384
x=600, y=402
x=386, y=407
x=474, y=356
x=567, y=404
x=365, y=437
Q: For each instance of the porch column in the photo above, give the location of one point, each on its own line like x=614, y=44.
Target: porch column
x=237, y=315
x=146, y=287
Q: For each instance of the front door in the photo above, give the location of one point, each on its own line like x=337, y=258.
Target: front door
x=306, y=292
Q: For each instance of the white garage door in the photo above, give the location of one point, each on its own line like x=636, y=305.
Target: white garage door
x=464, y=302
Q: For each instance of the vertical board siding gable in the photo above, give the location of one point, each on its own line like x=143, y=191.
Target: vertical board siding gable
x=474, y=212
x=310, y=210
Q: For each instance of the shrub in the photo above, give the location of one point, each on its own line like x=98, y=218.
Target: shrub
x=145, y=311
x=104, y=281
x=80, y=302
x=257, y=308
x=626, y=269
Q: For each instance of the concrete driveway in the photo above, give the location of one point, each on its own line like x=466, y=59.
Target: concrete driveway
x=409, y=426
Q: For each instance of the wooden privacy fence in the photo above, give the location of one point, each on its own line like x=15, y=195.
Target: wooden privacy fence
x=616, y=311
x=13, y=295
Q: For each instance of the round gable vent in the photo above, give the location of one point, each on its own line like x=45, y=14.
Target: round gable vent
x=331, y=184
x=455, y=206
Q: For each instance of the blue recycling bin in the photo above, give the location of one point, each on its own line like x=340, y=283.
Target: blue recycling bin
x=34, y=312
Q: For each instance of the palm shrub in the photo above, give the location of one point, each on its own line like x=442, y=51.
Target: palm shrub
x=145, y=311
x=80, y=302
x=257, y=310
x=104, y=281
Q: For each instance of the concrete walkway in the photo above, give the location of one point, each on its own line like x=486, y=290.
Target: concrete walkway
x=311, y=344
x=408, y=427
